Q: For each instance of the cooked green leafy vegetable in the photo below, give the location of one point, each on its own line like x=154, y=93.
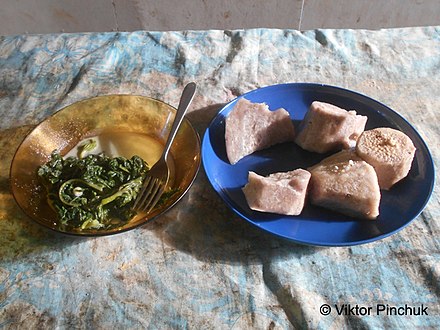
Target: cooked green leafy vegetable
x=86, y=146
x=93, y=192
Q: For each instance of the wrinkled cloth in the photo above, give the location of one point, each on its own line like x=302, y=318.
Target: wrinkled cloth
x=199, y=266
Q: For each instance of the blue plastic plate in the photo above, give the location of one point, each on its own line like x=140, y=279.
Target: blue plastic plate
x=315, y=225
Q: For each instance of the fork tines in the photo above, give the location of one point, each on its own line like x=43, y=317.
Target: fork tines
x=150, y=194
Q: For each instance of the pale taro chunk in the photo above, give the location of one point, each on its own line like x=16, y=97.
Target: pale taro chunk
x=327, y=127
x=345, y=183
x=389, y=151
x=250, y=127
x=281, y=193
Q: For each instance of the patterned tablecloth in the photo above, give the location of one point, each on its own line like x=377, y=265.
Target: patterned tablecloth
x=199, y=266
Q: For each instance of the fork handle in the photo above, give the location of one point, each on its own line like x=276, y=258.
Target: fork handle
x=185, y=100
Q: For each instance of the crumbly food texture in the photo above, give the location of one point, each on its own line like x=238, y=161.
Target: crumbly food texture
x=389, y=151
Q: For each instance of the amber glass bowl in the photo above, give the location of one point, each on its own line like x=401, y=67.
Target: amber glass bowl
x=122, y=115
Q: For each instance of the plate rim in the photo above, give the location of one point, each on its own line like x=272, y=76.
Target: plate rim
x=143, y=220
x=297, y=85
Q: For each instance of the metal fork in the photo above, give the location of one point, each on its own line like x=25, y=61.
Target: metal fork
x=157, y=178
